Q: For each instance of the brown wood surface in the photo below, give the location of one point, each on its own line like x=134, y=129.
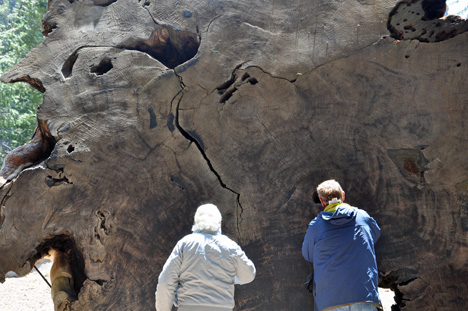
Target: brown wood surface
x=155, y=107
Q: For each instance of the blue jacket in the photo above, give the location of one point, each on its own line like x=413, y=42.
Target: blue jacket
x=341, y=247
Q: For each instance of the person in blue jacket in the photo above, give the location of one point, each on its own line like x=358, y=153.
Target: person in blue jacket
x=340, y=244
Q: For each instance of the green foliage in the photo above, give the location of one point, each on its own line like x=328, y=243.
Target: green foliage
x=20, y=31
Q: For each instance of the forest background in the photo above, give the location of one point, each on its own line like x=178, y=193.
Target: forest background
x=20, y=32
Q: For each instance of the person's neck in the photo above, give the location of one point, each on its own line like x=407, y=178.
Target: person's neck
x=331, y=208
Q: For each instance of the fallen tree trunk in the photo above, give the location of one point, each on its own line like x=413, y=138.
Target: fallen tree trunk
x=152, y=108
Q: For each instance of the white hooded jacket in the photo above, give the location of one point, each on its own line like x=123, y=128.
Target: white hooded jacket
x=202, y=269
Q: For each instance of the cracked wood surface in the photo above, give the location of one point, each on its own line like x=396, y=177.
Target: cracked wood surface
x=278, y=97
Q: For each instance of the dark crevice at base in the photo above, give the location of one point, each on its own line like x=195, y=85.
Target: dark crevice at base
x=395, y=280
x=64, y=244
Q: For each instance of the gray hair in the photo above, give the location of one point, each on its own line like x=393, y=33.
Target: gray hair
x=207, y=219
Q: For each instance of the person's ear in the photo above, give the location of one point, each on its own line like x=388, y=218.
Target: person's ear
x=323, y=203
x=343, y=196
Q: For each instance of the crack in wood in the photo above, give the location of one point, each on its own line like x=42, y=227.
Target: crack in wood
x=197, y=141
x=153, y=120
x=103, y=227
x=52, y=182
x=230, y=86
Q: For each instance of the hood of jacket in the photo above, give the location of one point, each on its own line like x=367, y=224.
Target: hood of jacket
x=344, y=213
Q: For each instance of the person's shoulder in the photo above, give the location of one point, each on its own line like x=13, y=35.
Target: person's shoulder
x=316, y=224
x=363, y=213
x=316, y=219
x=359, y=210
x=190, y=238
x=227, y=241
x=225, y=238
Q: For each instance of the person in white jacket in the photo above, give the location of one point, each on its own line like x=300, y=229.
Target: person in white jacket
x=203, y=267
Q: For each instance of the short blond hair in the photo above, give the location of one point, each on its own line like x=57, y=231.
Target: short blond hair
x=329, y=190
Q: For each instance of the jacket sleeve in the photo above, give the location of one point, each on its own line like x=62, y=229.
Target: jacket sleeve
x=168, y=280
x=246, y=271
x=308, y=245
x=375, y=229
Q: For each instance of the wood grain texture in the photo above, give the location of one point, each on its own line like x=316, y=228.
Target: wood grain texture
x=278, y=97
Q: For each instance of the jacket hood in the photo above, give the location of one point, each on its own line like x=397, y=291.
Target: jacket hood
x=344, y=213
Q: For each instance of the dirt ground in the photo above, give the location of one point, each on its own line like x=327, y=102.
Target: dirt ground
x=31, y=292
x=28, y=293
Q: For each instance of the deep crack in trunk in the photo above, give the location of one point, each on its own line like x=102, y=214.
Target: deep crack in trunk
x=200, y=148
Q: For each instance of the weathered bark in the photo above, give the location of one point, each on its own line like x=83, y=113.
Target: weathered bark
x=154, y=107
